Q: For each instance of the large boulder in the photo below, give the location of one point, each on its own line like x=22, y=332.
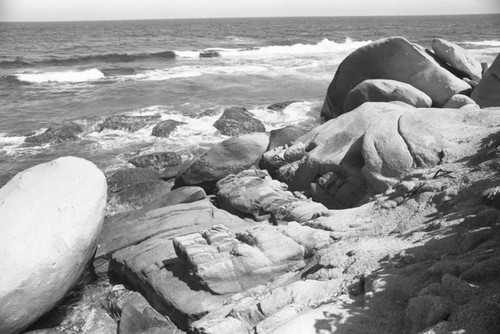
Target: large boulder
x=392, y=58
x=458, y=58
x=379, y=90
x=228, y=157
x=51, y=217
x=165, y=128
x=56, y=133
x=166, y=163
x=236, y=121
x=370, y=148
x=487, y=91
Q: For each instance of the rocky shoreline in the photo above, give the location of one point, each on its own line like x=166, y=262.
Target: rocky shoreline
x=383, y=219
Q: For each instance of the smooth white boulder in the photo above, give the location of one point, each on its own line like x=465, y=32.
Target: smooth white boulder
x=50, y=219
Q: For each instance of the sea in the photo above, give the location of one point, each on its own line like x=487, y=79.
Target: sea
x=85, y=72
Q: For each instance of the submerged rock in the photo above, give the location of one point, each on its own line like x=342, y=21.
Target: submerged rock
x=209, y=54
x=51, y=217
x=279, y=106
x=237, y=121
x=393, y=58
x=56, y=133
x=165, y=128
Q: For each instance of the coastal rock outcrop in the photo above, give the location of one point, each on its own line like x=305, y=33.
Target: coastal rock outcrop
x=486, y=93
x=56, y=134
x=237, y=121
x=51, y=217
x=127, y=122
x=459, y=101
x=165, y=128
x=231, y=156
x=393, y=58
x=458, y=58
x=370, y=148
x=378, y=90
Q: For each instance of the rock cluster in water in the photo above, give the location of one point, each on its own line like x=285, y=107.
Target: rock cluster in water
x=384, y=219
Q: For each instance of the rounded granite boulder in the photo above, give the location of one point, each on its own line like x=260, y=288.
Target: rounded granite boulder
x=51, y=217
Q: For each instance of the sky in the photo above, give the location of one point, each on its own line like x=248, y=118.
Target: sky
x=83, y=10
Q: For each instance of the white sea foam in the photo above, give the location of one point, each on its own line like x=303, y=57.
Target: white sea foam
x=63, y=76
x=324, y=46
x=482, y=43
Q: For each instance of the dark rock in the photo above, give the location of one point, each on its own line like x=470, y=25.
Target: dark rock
x=380, y=90
x=228, y=157
x=134, y=322
x=392, y=58
x=486, y=93
x=209, y=54
x=56, y=134
x=140, y=193
x=236, y=121
x=491, y=197
x=123, y=178
x=279, y=106
x=165, y=54
x=164, y=129
x=158, y=161
x=425, y=311
x=126, y=122
x=284, y=136
x=208, y=112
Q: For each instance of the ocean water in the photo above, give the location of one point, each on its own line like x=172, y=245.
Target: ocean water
x=87, y=71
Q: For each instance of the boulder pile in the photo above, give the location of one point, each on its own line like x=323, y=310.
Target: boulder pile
x=384, y=219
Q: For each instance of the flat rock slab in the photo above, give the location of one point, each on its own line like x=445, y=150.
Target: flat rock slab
x=141, y=251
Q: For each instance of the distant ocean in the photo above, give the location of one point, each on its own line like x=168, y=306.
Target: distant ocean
x=87, y=71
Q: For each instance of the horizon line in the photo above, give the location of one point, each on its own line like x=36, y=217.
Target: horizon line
x=246, y=17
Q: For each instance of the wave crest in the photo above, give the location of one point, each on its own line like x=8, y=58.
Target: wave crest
x=65, y=76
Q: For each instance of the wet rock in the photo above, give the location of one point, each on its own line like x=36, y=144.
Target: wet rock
x=53, y=236
x=378, y=90
x=124, y=178
x=237, y=121
x=393, y=58
x=486, y=92
x=279, y=106
x=126, y=122
x=165, y=128
x=56, y=134
x=284, y=136
x=209, y=54
x=141, y=193
x=158, y=161
x=228, y=157
x=458, y=58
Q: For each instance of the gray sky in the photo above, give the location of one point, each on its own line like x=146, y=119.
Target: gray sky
x=73, y=10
